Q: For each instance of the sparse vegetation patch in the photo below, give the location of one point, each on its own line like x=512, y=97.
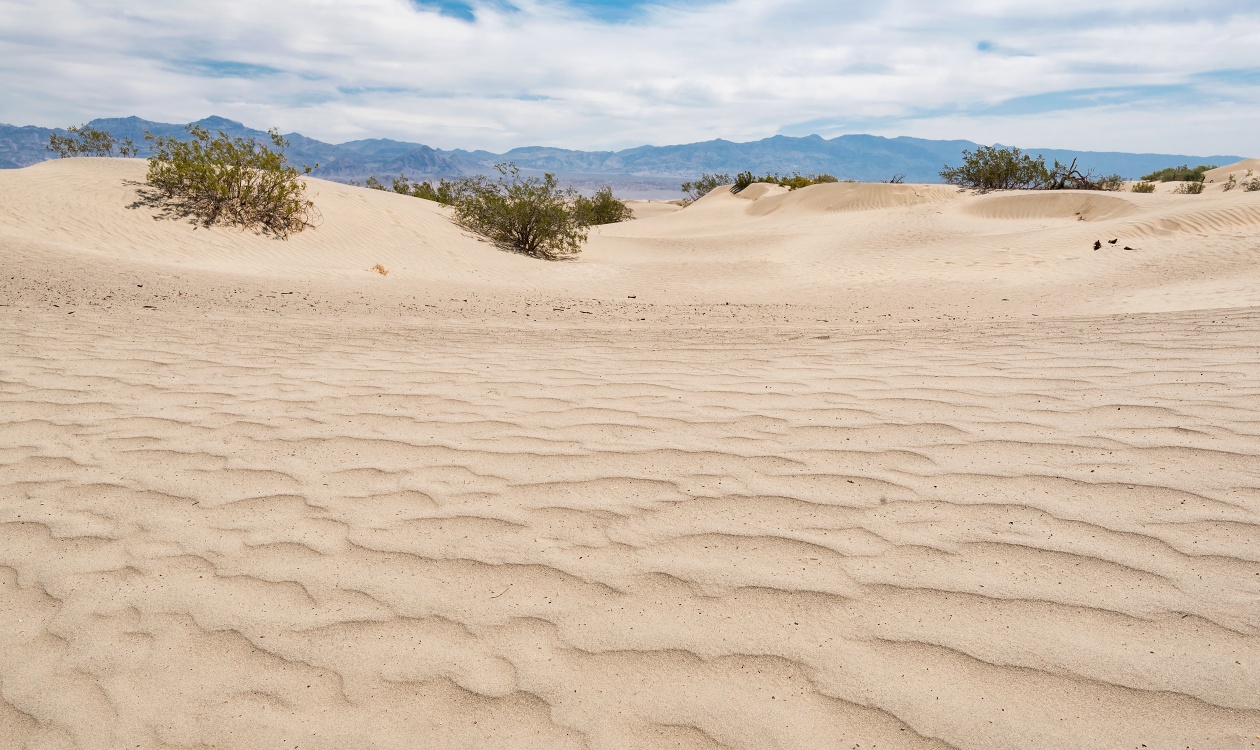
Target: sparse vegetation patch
x=530, y=215
x=1189, y=188
x=229, y=181
x=444, y=191
x=85, y=141
x=1183, y=173
x=794, y=181
x=601, y=208
x=1145, y=186
x=993, y=168
x=704, y=184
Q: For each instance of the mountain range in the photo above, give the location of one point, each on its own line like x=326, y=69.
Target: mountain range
x=641, y=172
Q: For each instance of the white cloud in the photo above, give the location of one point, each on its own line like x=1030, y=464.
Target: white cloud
x=738, y=69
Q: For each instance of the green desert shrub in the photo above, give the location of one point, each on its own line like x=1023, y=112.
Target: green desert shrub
x=1252, y=185
x=993, y=168
x=1189, y=188
x=701, y=186
x=704, y=184
x=443, y=191
x=85, y=141
x=1230, y=184
x=601, y=208
x=530, y=215
x=229, y=181
x=1111, y=182
x=1145, y=186
x=1183, y=173
x=796, y=180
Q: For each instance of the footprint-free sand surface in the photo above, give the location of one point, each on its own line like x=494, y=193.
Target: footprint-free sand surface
x=857, y=466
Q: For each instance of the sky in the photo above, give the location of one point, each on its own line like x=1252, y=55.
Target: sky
x=1169, y=76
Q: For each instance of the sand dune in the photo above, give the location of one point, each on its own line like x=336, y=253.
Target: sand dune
x=1079, y=206
x=828, y=198
x=1217, y=177
x=859, y=466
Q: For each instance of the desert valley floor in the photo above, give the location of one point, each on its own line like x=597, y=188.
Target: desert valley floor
x=856, y=466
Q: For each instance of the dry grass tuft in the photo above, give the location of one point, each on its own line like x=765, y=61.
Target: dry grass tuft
x=379, y=269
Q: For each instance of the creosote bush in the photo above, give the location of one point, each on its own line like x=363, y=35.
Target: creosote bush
x=1111, y=183
x=794, y=181
x=1189, y=188
x=1145, y=186
x=993, y=168
x=85, y=141
x=530, y=215
x=1252, y=185
x=1182, y=173
x=229, y=181
x=704, y=184
x=443, y=191
x=601, y=208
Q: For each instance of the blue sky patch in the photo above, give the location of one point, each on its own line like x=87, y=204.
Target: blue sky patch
x=611, y=11
x=222, y=68
x=1034, y=104
x=1244, y=76
x=452, y=8
x=1058, y=101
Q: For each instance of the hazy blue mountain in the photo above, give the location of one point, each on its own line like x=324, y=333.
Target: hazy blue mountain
x=645, y=171
x=23, y=146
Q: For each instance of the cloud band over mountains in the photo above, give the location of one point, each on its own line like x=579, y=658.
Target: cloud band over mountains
x=1148, y=75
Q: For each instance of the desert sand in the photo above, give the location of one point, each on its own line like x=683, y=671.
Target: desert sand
x=857, y=466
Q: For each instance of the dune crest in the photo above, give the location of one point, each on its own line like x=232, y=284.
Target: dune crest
x=1075, y=204
x=841, y=196
x=1238, y=169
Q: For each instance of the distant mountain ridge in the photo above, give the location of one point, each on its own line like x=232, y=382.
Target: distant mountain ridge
x=644, y=171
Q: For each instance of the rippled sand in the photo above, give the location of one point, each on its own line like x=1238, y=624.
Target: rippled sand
x=817, y=484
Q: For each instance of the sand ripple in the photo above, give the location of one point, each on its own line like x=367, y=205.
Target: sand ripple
x=238, y=537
